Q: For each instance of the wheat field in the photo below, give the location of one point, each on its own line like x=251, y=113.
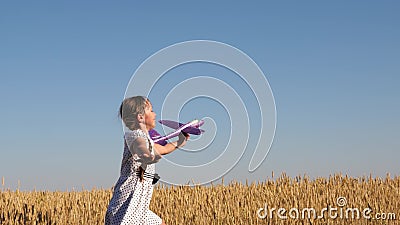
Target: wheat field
x=283, y=200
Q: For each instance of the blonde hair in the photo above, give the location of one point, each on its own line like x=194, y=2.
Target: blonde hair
x=130, y=108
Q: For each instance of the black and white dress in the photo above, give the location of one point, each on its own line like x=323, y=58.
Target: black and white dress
x=131, y=198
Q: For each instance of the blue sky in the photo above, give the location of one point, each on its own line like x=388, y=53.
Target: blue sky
x=333, y=68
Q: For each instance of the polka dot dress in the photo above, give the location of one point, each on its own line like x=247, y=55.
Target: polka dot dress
x=131, y=197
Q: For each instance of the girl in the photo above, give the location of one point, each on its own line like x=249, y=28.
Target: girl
x=134, y=188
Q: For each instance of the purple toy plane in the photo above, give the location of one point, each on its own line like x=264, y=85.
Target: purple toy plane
x=190, y=128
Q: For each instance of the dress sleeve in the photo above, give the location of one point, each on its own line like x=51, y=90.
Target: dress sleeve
x=131, y=136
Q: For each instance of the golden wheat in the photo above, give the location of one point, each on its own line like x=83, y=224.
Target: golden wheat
x=234, y=203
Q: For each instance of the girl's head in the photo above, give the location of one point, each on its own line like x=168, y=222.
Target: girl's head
x=137, y=112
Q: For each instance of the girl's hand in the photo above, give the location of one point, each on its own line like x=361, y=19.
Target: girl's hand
x=183, y=137
x=157, y=156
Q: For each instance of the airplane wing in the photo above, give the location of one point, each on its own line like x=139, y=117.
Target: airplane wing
x=192, y=129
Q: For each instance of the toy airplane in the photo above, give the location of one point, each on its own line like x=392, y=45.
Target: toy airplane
x=190, y=128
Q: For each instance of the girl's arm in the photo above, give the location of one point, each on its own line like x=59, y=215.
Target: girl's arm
x=170, y=147
x=139, y=147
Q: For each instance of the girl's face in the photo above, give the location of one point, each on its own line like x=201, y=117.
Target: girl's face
x=149, y=117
